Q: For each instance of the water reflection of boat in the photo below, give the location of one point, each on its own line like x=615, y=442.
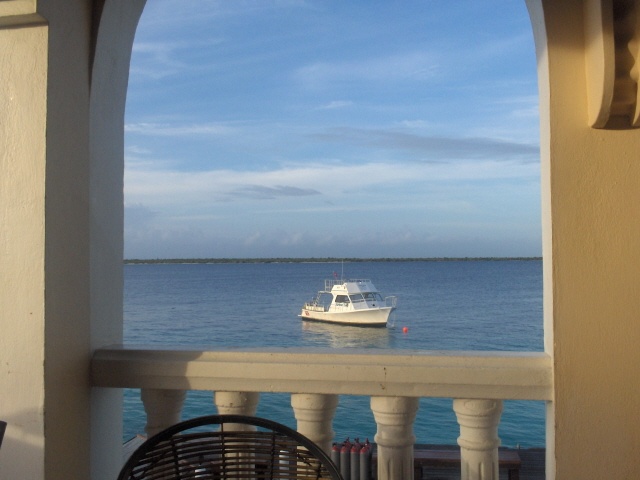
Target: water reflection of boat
x=349, y=302
x=341, y=336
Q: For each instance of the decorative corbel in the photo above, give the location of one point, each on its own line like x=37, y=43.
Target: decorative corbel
x=612, y=49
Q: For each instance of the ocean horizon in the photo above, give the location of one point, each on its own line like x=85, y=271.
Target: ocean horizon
x=188, y=260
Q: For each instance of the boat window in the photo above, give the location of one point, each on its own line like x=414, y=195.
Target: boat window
x=342, y=299
x=373, y=297
x=324, y=299
x=357, y=297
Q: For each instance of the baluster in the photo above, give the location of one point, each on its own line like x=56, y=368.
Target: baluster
x=395, y=439
x=314, y=413
x=478, y=438
x=163, y=408
x=237, y=403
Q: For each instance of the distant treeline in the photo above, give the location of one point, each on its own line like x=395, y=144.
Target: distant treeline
x=325, y=260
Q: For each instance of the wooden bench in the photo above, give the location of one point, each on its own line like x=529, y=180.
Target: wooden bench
x=450, y=457
x=508, y=459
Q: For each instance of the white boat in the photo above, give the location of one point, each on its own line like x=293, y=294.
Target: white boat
x=349, y=302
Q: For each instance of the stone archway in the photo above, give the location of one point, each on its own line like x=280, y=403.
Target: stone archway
x=113, y=33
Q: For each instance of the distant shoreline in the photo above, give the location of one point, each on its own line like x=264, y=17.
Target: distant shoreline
x=321, y=260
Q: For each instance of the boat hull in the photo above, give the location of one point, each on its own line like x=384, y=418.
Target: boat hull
x=376, y=317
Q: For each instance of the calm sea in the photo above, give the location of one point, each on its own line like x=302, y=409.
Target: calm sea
x=450, y=305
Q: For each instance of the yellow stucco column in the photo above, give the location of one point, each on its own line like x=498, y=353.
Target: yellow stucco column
x=63, y=77
x=23, y=107
x=591, y=231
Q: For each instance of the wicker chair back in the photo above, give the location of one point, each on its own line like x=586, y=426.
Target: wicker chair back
x=229, y=447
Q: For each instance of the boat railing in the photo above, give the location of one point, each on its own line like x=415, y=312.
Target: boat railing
x=315, y=306
x=329, y=283
x=391, y=301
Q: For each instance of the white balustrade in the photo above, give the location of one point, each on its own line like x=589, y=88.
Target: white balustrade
x=163, y=408
x=314, y=414
x=478, y=438
x=394, y=438
x=237, y=403
x=477, y=381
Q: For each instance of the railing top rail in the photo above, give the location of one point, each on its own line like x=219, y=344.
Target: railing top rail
x=411, y=373
x=329, y=283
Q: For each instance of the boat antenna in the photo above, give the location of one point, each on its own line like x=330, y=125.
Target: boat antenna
x=342, y=272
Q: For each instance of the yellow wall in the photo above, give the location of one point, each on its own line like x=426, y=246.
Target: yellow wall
x=592, y=261
x=61, y=164
x=23, y=83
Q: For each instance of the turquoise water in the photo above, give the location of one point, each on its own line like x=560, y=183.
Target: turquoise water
x=448, y=305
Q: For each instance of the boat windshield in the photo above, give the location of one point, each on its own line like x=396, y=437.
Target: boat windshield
x=373, y=297
x=342, y=299
x=356, y=298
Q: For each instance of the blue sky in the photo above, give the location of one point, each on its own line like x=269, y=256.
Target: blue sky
x=300, y=128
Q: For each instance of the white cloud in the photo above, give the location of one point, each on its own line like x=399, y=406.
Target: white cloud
x=417, y=124
x=433, y=147
x=337, y=104
x=401, y=67
x=178, y=130
x=195, y=190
